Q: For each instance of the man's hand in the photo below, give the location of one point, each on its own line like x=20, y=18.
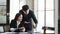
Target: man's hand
x=35, y=26
x=27, y=22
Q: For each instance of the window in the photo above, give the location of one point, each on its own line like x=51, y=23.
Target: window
x=45, y=14
x=2, y=11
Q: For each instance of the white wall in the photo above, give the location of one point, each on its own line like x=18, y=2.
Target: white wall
x=14, y=8
x=21, y=3
x=31, y=4
x=56, y=17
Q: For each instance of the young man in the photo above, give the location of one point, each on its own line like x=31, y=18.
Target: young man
x=27, y=15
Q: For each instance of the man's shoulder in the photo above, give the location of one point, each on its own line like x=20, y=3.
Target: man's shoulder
x=30, y=11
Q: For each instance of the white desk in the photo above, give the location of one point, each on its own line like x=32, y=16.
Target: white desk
x=19, y=33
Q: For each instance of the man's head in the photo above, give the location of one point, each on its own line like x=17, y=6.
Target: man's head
x=25, y=9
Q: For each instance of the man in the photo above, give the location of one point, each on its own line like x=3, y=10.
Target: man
x=27, y=15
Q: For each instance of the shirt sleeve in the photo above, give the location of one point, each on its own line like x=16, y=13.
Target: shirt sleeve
x=34, y=17
x=12, y=29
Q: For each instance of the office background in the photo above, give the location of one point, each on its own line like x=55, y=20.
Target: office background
x=43, y=9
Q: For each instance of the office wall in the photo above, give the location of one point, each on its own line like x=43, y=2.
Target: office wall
x=14, y=8
x=30, y=3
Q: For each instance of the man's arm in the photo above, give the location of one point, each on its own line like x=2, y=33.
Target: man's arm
x=34, y=17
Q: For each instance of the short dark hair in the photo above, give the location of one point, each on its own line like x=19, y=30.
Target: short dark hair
x=25, y=7
x=16, y=16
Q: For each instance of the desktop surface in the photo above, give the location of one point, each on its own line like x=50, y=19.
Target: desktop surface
x=23, y=33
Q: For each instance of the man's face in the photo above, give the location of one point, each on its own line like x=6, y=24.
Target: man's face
x=20, y=17
x=26, y=12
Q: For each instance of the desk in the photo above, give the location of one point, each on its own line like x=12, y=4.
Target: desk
x=23, y=33
x=19, y=33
